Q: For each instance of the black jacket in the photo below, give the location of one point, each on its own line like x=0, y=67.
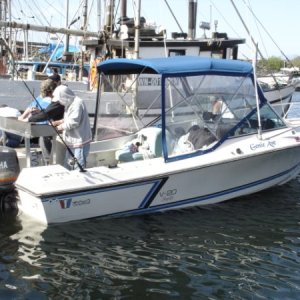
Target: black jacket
x=54, y=111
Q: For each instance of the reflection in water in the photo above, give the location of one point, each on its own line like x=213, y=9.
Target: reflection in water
x=246, y=248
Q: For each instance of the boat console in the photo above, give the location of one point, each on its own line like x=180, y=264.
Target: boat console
x=28, y=131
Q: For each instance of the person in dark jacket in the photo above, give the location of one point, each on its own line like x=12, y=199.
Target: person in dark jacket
x=55, y=77
x=53, y=112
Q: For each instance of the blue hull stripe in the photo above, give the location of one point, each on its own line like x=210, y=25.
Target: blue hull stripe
x=205, y=197
x=156, y=183
x=144, y=206
x=152, y=193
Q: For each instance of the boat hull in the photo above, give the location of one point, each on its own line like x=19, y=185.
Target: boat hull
x=200, y=185
x=280, y=98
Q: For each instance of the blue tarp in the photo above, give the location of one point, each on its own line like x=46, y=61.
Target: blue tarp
x=174, y=65
x=59, y=51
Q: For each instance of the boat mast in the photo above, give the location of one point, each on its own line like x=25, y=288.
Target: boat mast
x=51, y=29
x=137, y=22
x=109, y=16
x=192, y=19
x=99, y=15
x=137, y=29
x=259, y=130
x=67, y=26
x=83, y=27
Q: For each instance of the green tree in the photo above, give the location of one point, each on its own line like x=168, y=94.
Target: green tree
x=270, y=65
x=296, y=62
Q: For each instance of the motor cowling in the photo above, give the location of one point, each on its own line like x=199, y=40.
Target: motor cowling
x=9, y=168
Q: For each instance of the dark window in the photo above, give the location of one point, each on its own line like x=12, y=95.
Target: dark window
x=177, y=52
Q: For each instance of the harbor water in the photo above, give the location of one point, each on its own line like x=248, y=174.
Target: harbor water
x=247, y=248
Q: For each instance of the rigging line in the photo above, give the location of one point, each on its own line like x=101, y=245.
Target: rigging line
x=90, y=13
x=134, y=8
x=61, y=13
x=27, y=13
x=267, y=33
x=40, y=12
x=47, y=116
x=230, y=26
x=259, y=32
x=16, y=9
x=171, y=11
x=246, y=28
x=18, y=2
x=77, y=16
x=114, y=16
x=224, y=18
x=254, y=43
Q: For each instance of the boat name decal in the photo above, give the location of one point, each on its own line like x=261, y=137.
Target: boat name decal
x=150, y=81
x=3, y=164
x=168, y=195
x=69, y=202
x=54, y=175
x=154, y=81
x=268, y=144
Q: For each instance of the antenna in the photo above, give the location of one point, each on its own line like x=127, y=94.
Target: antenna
x=216, y=25
x=205, y=26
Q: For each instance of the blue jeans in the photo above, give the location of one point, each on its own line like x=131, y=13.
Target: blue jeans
x=80, y=153
x=12, y=140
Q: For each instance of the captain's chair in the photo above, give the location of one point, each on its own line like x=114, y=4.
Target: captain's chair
x=151, y=147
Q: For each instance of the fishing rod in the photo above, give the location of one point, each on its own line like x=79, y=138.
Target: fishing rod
x=45, y=113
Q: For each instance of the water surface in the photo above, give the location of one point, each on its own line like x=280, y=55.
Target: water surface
x=241, y=249
x=247, y=248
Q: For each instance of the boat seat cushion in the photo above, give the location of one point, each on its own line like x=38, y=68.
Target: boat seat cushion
x=150, y=139
x=151, y=144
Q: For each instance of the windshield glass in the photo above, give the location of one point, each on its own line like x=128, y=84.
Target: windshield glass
x=205, y=109
x=200, y=111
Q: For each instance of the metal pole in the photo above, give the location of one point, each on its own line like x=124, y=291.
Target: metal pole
x=109, y=15
x=99, y=15
x=67, y=26
x=136, y=54
x=9, y=19
x=137, y=30
x=83, y=27
x=259, y=130
x=192, y=19
x=50, y=29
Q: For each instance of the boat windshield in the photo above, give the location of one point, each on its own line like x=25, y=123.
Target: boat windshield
x=127, y=104
x=207, y=109
x=196, y=113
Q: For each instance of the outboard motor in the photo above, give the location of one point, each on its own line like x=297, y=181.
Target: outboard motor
x=9, y=168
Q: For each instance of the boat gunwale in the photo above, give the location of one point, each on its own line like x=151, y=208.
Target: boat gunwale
x=149, y=179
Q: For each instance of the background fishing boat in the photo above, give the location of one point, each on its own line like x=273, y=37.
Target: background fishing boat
x=118, y=38
x=279, y=93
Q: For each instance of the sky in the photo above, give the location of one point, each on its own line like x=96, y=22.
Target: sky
x=273, y=24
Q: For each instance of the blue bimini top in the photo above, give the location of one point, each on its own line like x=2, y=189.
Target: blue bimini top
x=174, y=65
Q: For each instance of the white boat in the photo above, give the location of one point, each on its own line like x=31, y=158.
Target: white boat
x=290, y=75
x=188, y=156
x=278, y=92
